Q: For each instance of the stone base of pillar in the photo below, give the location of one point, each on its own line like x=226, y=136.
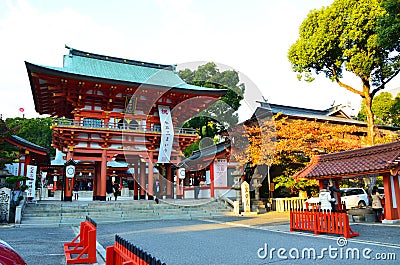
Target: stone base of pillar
x=142, y=197
x=68, y=198
x=169, y=197
x=135, y=197
x=258, y=206
x=150, y=197
x=179, y=197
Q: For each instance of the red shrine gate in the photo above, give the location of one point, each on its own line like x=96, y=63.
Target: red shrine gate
x=116, y=109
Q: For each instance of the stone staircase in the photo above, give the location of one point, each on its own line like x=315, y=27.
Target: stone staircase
x=58, y=213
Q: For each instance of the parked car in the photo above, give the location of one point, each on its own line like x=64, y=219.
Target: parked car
x=354, y=197
x=8, y=256
x=313, y=203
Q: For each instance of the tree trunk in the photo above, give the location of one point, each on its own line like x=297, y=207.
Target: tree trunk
x=370, y=118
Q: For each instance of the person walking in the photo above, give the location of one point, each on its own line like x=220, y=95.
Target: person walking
x=76, y=191
x=325, y=199
x=109, y=190
x=115, y=190
x=376, y=203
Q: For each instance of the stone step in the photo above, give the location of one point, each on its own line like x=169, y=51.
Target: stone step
x=58, y=214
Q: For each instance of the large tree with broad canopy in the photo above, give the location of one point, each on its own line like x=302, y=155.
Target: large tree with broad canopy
x=357, y=36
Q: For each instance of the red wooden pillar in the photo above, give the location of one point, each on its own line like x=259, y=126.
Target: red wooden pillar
x=142, y=180
x=135, y=182
x=169, y=181
x=161, y=181
x=177, y=183
x=396, y=196
x=321, y=184
x=96, y=180
x=103, y=177
x=389, y=210
x=212, y=172
x=150, y=177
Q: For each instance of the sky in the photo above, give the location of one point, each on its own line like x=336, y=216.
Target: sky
x=251, y=37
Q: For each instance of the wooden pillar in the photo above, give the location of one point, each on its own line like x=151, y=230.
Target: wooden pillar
x=212, y=171
x=321, y=184
x=96, y=180
x=161, y=179
x=396, y=196
x=135, y=182
x=169, y=181
x=150, y=178
x=142, y=180
x=68, y=185
x=103, y=177
x=390, y=211
x=27, y=162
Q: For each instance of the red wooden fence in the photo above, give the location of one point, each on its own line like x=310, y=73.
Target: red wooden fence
x=125, y=253
x=321, y=222
x=84, y=250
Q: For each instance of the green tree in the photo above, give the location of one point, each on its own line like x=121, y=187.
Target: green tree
x=35, y=130
x=382, y=107
x=221, y=115
x=7, y=152
x=395, y=111
x=358, y=36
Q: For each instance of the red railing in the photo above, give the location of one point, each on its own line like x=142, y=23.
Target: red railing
x=84, y=250
x=125, y=253
x=321, y=222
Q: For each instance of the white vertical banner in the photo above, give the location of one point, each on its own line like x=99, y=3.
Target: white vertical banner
x=15, y=169
x=31, y=181
x=221, y=173
x=167, y=134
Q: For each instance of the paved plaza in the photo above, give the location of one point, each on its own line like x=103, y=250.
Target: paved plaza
x=228, y=240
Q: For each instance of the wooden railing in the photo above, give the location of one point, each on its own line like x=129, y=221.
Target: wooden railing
x=100, y=124
x=287, y=204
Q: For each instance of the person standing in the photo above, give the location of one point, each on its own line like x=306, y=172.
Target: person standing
x=376, y=203
x=325, y=199
x=115, y=190
x=196, y=184
x=109, y=190
x=76, y=191
x=332, y=189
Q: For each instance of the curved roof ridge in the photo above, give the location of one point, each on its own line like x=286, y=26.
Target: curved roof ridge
x=360, y=152
x=80, y=53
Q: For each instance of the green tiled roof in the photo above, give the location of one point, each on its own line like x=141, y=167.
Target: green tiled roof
x=100, y=66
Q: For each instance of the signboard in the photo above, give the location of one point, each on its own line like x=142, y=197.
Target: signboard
x=167, y=134
x=70, y=171
x=221, y=173
x=181, y=173
x=245, y=196
x=31, y=181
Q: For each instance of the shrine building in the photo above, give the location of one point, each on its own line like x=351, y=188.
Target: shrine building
x=109, y=110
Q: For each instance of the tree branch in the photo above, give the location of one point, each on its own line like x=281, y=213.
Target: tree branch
x=340, y=83
x=382, y=86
